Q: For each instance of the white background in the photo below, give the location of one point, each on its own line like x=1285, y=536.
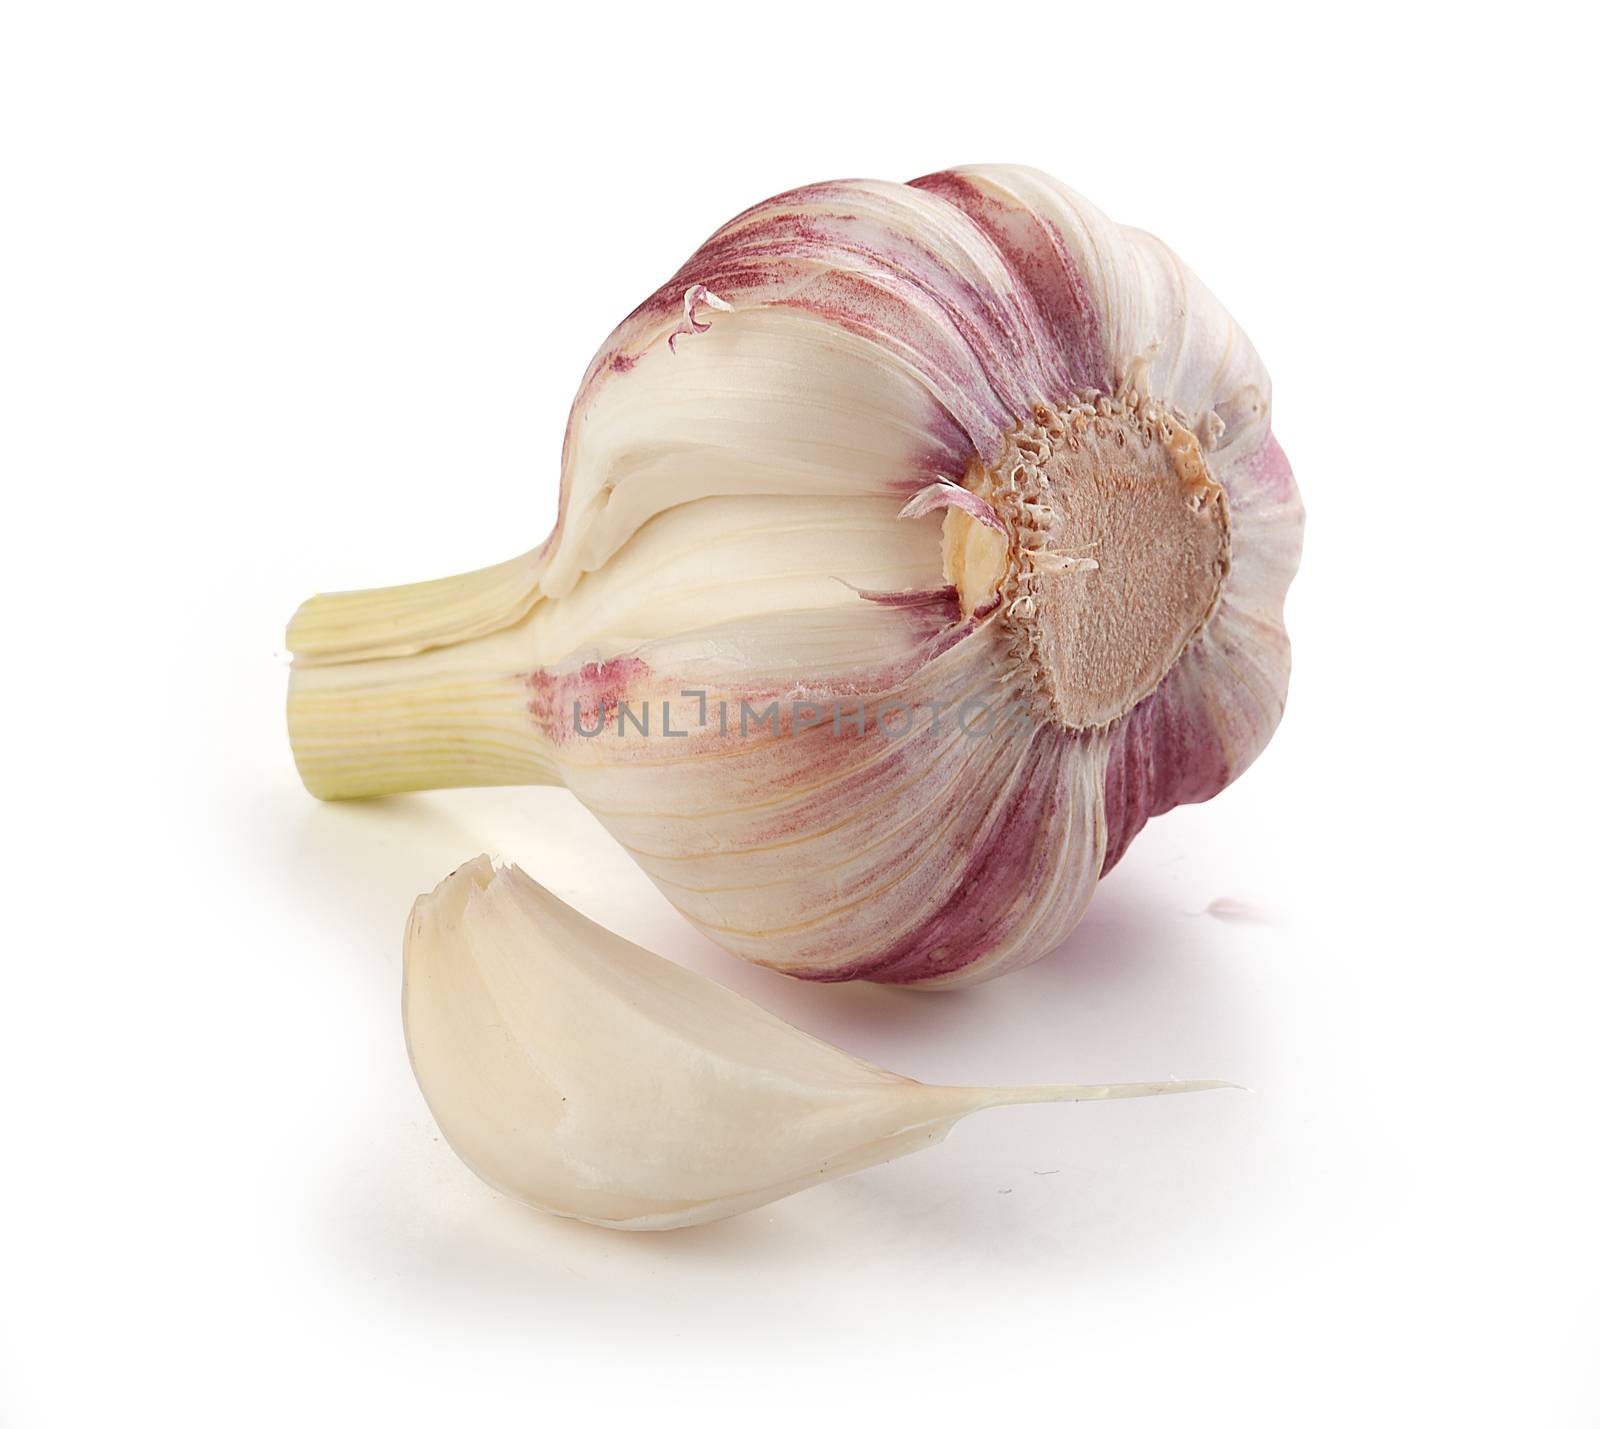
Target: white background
x=294, y=297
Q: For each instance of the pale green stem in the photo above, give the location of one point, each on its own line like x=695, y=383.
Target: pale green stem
x=416, y=687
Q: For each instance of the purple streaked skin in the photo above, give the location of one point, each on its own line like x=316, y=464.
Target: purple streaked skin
x=1034, y=251
x=696, y=296
x=945, y=494
x=590, y=694
x=849, y=794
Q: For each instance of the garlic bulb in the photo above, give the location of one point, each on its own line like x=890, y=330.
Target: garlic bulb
x=917, y=544
x=579, y=1073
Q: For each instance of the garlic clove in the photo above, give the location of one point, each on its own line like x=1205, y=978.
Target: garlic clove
x=577, y=1072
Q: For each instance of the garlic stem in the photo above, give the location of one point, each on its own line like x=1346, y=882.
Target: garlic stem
x=408, y=619
x=415, y=687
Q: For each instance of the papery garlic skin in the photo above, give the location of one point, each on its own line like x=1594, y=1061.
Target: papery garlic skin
x=581, y=1074
x=959, y=440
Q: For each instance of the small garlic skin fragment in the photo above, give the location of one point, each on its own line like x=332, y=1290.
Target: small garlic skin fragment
x=581, y=1074
x=962, y=443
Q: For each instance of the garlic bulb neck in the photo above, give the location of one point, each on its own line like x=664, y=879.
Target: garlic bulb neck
x=419, y=686
x=1112, y=556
